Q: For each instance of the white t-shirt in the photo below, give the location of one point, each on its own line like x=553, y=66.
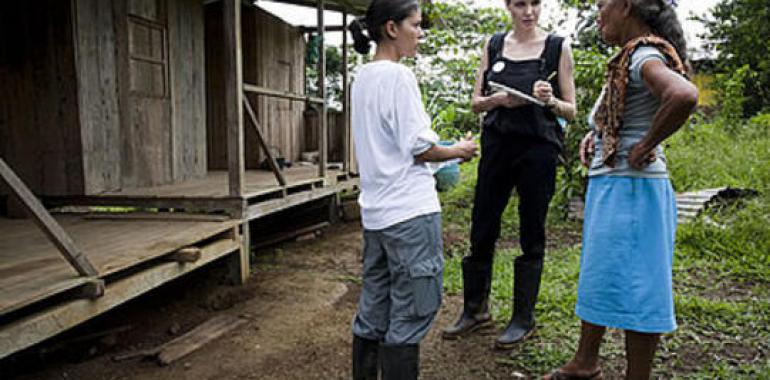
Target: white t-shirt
x=390, y=127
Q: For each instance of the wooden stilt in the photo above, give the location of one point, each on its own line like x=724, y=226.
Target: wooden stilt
x=240, y=261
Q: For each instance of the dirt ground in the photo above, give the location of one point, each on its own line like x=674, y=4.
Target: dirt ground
x=298, y=307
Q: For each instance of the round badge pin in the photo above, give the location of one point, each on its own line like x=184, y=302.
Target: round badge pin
x=498, y=67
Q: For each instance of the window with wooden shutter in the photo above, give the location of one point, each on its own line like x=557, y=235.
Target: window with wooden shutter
x=148, y=52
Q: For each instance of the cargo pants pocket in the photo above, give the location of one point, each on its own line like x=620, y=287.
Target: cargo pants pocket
x=426, y=282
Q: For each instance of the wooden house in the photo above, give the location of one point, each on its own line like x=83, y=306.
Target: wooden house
x=172, y=112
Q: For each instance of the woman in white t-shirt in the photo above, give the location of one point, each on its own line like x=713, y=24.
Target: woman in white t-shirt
x=400, y=211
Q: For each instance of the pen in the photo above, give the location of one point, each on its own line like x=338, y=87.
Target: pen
x=553, y=74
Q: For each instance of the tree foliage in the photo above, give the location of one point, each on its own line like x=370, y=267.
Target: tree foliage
x=739, y=31
x=449, y=61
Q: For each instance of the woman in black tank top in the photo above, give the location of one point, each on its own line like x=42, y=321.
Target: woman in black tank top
x=520, y=145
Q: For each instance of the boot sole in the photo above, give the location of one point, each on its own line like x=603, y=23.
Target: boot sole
x=479, y=326
x=510, y=346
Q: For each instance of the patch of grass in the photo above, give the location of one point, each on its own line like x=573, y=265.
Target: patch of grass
x=713, y=155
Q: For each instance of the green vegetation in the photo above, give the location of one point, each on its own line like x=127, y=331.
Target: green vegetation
x=738, y=30
x=721, y=273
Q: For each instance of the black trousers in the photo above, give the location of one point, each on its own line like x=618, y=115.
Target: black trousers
x=507, y=162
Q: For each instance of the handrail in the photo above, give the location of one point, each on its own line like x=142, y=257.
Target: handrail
x=259, y=90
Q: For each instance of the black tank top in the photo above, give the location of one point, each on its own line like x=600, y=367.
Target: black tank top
x=529, y=120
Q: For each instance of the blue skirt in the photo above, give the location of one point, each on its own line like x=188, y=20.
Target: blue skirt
x=628, y=249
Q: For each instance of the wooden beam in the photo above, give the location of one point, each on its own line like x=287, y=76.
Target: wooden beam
x=270, y=159
x=229, y=205
x=22, y=333
x=265, y=208
x=328, y=28
x=197, y=337
x=92, y=289
x=233, y=66
x=183, y=345
x=185, y=255
x=280, y=94
x=323, y=143
x=47, y=223
x=345, y=96
x=283, y=236
x=342, y=6
x=165, y=216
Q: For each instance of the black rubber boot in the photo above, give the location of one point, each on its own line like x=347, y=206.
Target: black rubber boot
x=526, y=284
x=477, y=282
x=400, y=362
x=366, y=354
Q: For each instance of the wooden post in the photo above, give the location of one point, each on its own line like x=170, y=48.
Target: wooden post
x=323, y=143
x=234, y=97
x=46, y=222
x=240, y=261
x=345, y=96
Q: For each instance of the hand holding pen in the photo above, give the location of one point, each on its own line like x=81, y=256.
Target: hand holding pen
x=542, y=89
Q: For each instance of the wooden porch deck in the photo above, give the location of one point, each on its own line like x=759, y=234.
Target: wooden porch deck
x=210, y=194
x=124, y=252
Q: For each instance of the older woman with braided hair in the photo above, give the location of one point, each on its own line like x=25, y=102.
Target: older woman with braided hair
x=630, y=215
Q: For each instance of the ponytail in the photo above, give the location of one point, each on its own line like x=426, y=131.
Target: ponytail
x=361, y=42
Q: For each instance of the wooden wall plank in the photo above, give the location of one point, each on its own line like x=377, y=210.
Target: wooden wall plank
x=216, y=137
x=98, y=95
x=188, y=97
x=39, y=114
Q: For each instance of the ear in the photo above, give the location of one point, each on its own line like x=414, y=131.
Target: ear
x=391, y=29
x=626, y=7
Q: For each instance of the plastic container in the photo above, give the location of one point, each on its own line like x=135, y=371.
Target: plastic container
x=447, y=173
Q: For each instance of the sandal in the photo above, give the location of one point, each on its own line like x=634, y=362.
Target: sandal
x=560, y=375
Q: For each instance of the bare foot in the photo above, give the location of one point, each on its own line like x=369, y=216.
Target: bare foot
x=572, y=371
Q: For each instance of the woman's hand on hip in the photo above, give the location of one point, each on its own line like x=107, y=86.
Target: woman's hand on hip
x=640, y=156
x=587, y=147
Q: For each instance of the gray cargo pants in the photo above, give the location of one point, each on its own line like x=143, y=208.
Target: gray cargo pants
x=402, y=281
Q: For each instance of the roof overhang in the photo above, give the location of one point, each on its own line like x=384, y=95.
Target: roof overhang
x=357, y=7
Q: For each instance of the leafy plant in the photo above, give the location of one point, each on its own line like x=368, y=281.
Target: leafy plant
x=730, y=95
x=738, y=30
